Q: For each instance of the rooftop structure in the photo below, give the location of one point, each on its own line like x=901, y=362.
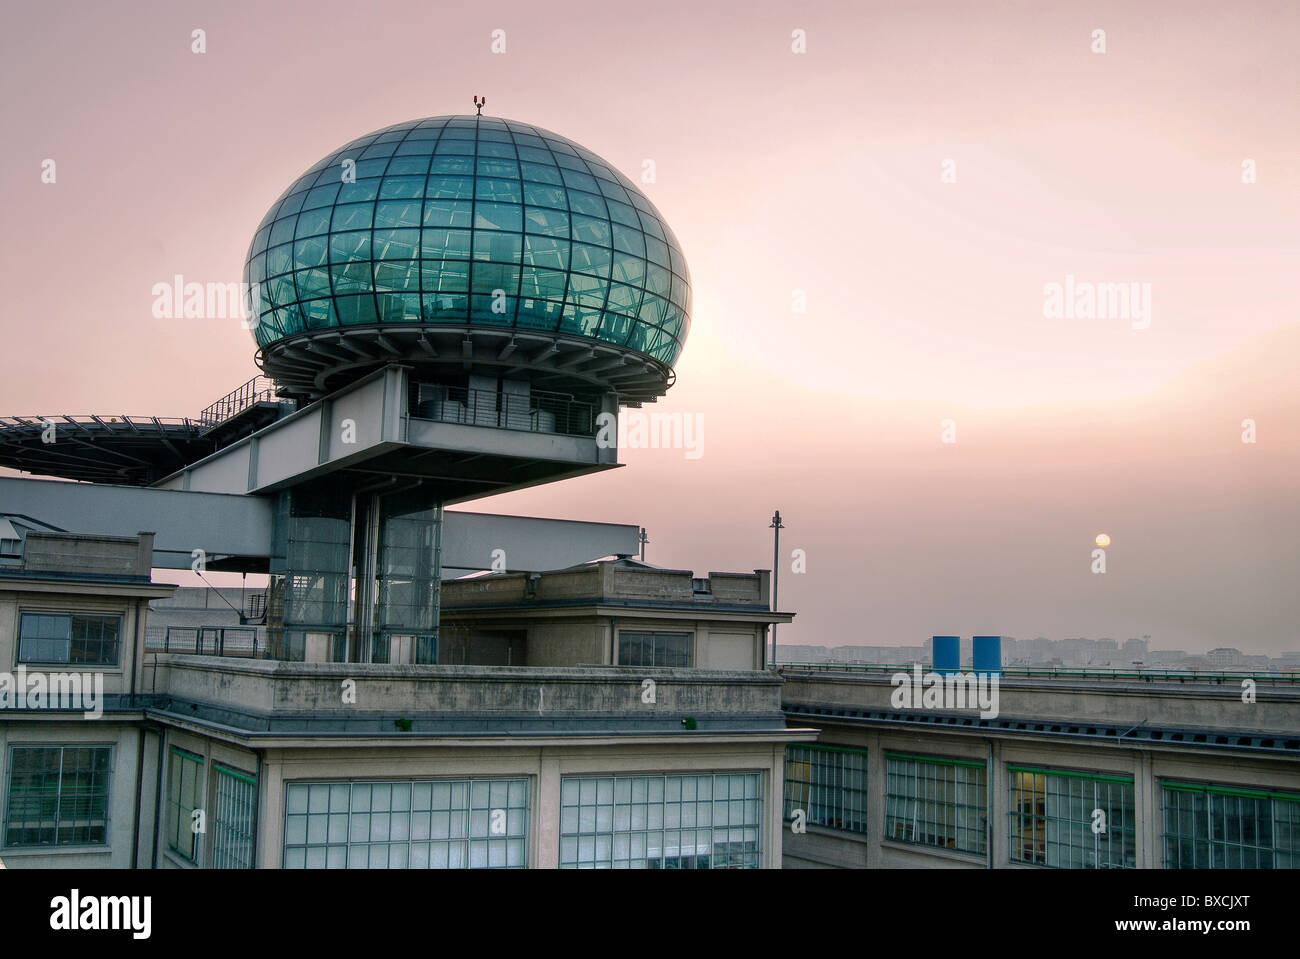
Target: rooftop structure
x=469, y=245
x=445, y=310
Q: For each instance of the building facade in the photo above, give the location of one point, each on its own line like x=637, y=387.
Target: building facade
x=443, y=310
x=666, y=754
x=1074, y=771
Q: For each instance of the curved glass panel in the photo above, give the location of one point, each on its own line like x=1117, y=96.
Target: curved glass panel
x=474, y=220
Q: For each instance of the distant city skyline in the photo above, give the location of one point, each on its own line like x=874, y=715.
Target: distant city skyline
x=1044, y=651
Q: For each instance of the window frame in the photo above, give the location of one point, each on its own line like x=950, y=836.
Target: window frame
x=71, y=616
x=844, y=822
x=59, y=797
x=175, y=803
x=1208, y=844
x=229, y=837
x=466, y=813
x=655, y=634
x=1101, y=843
x=727, y=859
x=919, y=800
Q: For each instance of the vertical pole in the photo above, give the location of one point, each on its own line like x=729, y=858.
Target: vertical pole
x=439, y=513
x=643, y=542
x=776, y=527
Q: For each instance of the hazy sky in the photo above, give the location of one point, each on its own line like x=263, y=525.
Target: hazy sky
x=816, y=175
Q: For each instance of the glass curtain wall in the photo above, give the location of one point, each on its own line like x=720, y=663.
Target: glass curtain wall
x=313, y=522
x=471, y=220
x=408, y=576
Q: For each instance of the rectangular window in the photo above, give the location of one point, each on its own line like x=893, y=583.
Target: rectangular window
x=71, y=638
x=937, y=802
x=1071, y=820
x=705, y=821
x=184, y=795
x=1219, y=827
x=234, y=819
x=829, y=784
x=654, y=649
x=58, y=795
x=420, y=824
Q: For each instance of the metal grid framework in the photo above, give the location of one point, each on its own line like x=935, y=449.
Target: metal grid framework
x=413, y=824
x=1054, y=822
x=460, y=220
x=937, y=802
x=184, y=795
x=829, y=783
x=234, y=819
x=1219, y=827
x=72, y=638
x=702, y=821
x=131, y=450
x=654, y=649
x=58, y=795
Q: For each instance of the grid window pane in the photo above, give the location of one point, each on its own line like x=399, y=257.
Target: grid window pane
x=58, y=795
x=233, y=820
x=936, y=802
x=699, y=821
x=71, y=638
x=1071, y=821
x=184, y=795
x=654, y=649
x=457, y=824
x=829, y=785
x=1218, y=827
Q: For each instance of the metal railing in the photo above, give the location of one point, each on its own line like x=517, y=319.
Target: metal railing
x=260, y=389
x=1074, y=672
x=535, y=412
x=239, y=641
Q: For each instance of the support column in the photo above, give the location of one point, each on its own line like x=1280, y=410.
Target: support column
x=546, y=842
x=999, y=817
x=877, y=786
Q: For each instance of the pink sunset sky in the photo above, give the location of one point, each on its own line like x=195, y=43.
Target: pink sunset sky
x=816, y=174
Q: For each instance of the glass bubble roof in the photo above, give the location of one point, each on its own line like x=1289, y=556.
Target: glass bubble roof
x=470, y=220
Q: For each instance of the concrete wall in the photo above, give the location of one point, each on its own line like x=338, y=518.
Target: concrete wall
x=270, y=687
x=123, y=791
x=79, y=553
x=1200, y=705
x=571, y=638
x=567, y=643
x=729, y=650
x=483, y=647
x=15, y=601
x=607, y=580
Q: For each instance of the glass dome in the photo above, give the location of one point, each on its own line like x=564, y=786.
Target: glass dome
x=470, y=222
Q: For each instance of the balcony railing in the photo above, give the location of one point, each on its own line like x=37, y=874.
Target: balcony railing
x=1219, y=677
x=240, y=641
x=260, y=389
x=535, y=412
